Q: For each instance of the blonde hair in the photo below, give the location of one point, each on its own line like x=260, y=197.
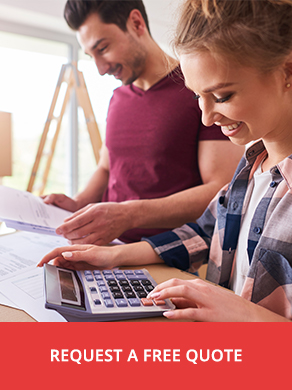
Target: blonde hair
x=255, y=33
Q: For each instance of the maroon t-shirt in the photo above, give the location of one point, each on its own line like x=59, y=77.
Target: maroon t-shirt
x=152, y=137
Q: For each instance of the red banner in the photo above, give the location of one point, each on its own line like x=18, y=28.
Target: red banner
x=145, y=355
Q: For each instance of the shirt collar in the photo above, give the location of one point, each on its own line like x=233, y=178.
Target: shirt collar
x=284, y=168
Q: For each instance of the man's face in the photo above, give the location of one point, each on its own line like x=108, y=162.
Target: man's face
x=114, y=51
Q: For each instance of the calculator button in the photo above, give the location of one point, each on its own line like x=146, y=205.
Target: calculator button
x=93, y=290
x=102, y=289
x=109, y=277
x=159, y=302
x=108, y=303
x=147, y=302
x=128, y=272
x=117, y=295
x=115, y=288
x=146, y=282
x=133, y=277
x=106, y=295
x=95, y=272
x=134, y=302
x=118, y=272
x=126, y=288
x=112, y=283
x=121, y=302
x=89, y=278
x=135, y=283
x=98, y=277
x=130, y=294
x=138, y=288
x=97, y=302
x=149, y=288
x=107, y=272
x=142, y=277
x=139, y=272
x=142, y=294
x=100, y=283
x=123, y=282
x=120, y=277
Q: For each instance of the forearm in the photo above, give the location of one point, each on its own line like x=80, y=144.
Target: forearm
x=172, y=211
x=94, y=189
x=136, y=254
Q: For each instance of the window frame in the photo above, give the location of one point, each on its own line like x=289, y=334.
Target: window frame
x=73, y=48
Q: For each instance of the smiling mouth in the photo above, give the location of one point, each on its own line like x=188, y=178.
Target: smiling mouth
x=117, y=72
x=234, y=126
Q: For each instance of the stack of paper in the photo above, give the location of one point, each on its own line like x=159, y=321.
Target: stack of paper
x=22, y=210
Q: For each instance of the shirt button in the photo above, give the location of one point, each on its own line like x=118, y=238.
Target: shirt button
x=273, y=184
x=235, y=205
x=257, y=230
x=221, y=199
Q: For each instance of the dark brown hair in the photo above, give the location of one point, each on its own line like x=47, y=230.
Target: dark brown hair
x=110, y=11
x=255, y=33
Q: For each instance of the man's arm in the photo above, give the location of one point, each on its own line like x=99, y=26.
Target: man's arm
x=98, y=182
x=217, y=163
x=93, y=191
x=101, y=223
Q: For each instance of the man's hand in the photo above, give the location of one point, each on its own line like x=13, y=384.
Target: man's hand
x=98, y=224
x=62, y=201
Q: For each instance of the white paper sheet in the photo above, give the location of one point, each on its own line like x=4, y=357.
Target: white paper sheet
x=26, y=291
x=22, y=210
x=21, y=281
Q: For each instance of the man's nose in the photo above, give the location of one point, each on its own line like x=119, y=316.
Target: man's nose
x=102, y=66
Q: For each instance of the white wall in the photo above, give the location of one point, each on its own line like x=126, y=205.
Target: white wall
x=48, y=14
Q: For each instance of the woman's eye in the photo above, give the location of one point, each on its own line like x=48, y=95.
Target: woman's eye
x=224, y=99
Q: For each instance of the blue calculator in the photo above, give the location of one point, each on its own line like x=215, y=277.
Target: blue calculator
x=95, y=296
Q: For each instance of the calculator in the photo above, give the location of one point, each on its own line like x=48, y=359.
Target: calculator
x=95, y=296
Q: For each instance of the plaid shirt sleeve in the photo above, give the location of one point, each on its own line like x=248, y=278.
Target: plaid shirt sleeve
x=187, y=247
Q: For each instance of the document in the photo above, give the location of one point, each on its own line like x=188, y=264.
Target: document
x=22, y=210
x=21, y=282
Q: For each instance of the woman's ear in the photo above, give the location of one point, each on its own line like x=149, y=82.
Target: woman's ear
x=288, y=71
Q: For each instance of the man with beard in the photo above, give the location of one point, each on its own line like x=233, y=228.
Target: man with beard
x=159, y=164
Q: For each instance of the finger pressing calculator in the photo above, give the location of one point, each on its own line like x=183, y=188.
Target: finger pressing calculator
x=110, y=295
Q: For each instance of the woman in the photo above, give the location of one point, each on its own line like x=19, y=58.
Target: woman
x=237, y=58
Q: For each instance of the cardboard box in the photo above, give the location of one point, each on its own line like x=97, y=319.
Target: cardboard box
x=5, y=144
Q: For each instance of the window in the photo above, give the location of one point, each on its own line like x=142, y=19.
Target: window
x=29, y=72
x=30, y=69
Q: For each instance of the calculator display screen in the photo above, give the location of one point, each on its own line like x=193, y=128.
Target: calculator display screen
x=71, y=289
x=67, y=286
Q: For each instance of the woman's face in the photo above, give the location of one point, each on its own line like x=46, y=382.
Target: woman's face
x=247, y=104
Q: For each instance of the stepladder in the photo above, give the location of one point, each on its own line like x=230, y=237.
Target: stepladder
x=73, y=79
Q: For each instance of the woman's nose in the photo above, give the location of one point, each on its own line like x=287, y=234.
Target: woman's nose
x=209, y=114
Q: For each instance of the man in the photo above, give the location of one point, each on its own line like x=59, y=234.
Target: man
x=159, y=164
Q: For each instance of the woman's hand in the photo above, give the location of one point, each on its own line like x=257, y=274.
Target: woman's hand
x=80, y=257
x=198, y=300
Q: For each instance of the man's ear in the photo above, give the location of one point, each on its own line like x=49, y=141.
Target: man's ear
x=136, y=23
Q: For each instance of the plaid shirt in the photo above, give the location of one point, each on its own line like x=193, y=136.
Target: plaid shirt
x=214, y=237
